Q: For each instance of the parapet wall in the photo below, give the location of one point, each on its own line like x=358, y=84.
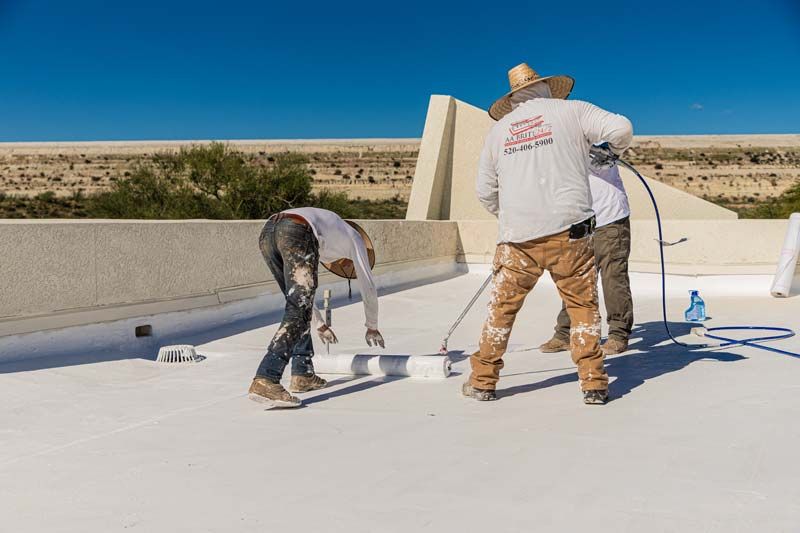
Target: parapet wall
x=714, y=246
x=59, y=273
x=64, y=273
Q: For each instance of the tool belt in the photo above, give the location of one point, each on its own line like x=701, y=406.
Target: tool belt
x=582, y=229
x=297, y=219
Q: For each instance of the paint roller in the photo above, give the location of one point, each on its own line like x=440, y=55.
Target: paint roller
x=416, y=366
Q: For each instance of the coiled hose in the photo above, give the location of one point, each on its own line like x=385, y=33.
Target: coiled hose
x=783, y=333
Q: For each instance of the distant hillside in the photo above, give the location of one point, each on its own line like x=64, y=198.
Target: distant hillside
x=733, y=170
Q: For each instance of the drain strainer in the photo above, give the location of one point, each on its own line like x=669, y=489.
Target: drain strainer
x=179, y=353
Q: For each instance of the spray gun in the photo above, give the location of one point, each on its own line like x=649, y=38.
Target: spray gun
x=326, y=305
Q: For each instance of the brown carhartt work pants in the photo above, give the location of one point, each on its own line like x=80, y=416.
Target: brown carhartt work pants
x=517, y=268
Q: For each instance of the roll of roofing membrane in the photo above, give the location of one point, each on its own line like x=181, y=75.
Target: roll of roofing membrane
x=787, y=264
x=417, y=366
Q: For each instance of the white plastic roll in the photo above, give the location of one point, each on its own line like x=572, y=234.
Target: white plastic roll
x=787, y=264
x=417, y=366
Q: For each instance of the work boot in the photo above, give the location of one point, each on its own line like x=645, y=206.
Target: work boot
x=613, y=346
x=554, y=345
x=307, y=383
x=272, y=394
x=479, y=394
x=595, y=397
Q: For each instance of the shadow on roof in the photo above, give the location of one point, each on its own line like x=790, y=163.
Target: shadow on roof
x=651, y=359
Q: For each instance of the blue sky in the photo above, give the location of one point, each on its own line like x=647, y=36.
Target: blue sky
x=175, y=69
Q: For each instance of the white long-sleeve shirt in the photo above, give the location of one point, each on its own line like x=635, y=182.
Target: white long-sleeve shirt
x=338, y=240
x=609, y=199
x=533, y=170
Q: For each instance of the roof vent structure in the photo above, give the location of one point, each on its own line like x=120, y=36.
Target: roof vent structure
x=179, y=353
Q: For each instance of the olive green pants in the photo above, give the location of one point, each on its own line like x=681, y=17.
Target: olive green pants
x=517, y=268
x=612, y=248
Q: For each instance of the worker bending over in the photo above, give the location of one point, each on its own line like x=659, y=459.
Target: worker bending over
x=293, y=244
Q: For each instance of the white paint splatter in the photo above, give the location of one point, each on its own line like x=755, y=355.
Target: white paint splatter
x=303, y=276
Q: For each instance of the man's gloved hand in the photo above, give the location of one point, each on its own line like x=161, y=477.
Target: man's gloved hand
x=374, y=338
x=327, y=335
x=601, y=156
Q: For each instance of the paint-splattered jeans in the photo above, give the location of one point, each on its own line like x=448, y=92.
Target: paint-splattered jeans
x=292, y=253
x=517, y=268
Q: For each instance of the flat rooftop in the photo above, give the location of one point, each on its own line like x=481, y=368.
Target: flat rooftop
x=693, y=440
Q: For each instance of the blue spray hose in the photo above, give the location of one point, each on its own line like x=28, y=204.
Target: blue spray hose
x=784, y=333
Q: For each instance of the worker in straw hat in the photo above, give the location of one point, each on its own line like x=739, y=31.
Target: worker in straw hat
x=293, y=244
x=533, y=175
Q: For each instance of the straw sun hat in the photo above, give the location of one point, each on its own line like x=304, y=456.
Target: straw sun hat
x=344, y=267
x=523, y=76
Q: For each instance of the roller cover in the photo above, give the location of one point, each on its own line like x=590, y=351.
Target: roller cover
x=416, y=366
x=787, y=264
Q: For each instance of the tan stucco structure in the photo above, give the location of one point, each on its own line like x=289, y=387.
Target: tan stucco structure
x=60, y=273
x=713, y=246
x=444, y=182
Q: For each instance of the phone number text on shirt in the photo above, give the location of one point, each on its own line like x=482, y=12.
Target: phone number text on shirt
x=528, y=146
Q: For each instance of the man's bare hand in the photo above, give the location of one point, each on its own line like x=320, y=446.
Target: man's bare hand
x=327, y=335
x=374, y=338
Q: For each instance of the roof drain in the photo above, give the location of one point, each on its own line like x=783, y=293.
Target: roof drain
x=178, y=353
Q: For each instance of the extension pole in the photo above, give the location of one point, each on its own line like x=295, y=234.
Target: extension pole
x=443, y=349
x=326, y=305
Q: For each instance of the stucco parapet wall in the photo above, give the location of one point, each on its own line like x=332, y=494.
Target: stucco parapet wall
x=714, y=246
x=59, y=273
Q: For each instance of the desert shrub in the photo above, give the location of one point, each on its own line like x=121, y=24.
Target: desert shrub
x=393, y=208
x=43, y=205
x=338, y=202
x=212, y=182
x=150, y=192
x=781, y=207
x=215, y=182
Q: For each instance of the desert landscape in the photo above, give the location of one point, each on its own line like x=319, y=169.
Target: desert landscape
x=736, y=171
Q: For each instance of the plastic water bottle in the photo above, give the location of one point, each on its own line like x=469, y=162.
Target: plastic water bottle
x=697, y=308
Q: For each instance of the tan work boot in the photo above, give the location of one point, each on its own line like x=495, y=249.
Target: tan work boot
x=595, y=397
x=554, y=345
x=479, y=394
x=272, y=394
x=614, y=346
x=306, y=383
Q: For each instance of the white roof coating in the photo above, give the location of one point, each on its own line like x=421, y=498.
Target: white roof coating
x=694, y=440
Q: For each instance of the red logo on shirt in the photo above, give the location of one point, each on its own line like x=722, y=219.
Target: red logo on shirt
x=536, y=133
x=525, y=125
